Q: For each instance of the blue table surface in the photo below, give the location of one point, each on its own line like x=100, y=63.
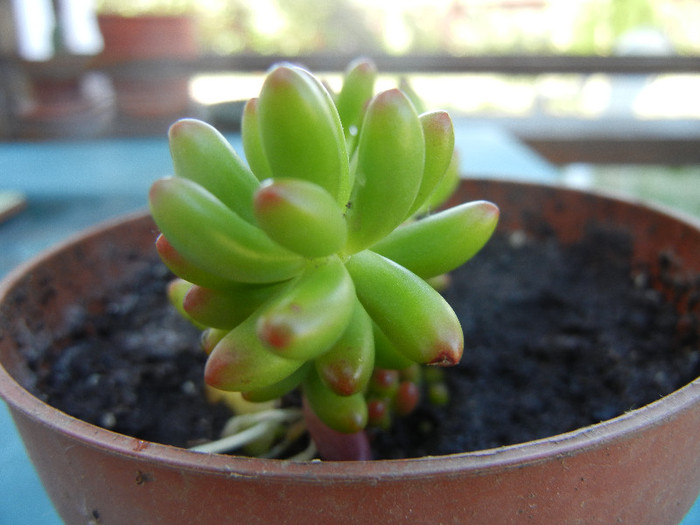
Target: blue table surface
x=72, y=185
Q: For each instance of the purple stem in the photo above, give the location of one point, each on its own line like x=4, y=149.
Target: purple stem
x=333, y=445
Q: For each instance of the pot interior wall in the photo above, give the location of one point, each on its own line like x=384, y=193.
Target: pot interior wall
x=50, y=300
x=660, y=242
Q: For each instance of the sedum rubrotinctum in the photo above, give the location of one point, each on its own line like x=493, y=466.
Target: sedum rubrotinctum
x=307, y=265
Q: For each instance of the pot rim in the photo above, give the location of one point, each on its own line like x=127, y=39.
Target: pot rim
x=599, y=435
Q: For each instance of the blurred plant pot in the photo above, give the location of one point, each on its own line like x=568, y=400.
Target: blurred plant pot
x=642, y=467
x=143, y=55
x=63, y=99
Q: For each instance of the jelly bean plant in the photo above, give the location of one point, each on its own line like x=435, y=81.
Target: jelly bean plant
x=309, y=266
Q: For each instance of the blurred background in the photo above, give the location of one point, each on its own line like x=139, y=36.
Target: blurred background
x=604, y=90
x=600, y=94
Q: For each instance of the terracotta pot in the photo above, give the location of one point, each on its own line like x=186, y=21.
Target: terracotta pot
x=158, y=88
x=63, y=99
x=129, y=38
x=641, y=468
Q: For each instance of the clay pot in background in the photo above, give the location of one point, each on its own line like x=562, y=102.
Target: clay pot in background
x=143, y=56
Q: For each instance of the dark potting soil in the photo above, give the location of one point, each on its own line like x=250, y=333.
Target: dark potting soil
x=136, y=368
x=556, y=338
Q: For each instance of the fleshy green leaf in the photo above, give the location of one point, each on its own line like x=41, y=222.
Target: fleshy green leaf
x=439, y=146
x=407, y=88
x=301, y=216
x=347, y=414
x=210, y=338
x=280, y=388
x=311, y=314
x=183, y=268
x=252, y=142
x=445, y=187
x=227, y=308
x=211, y=236
x=240, y=362
x=177, y=290
x=301, y=133
x=357, y=90
x=385, y=353
x=389, y=167
x=201, y=154
x=347, y=366
x=441, y=242
x=416, y=319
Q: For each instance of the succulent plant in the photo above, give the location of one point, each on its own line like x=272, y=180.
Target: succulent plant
x=307, y=264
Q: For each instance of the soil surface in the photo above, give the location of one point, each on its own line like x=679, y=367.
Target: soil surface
x=556, y=339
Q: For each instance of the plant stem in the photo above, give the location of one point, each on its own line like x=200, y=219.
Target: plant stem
x=247, y=428
x=235, y=440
